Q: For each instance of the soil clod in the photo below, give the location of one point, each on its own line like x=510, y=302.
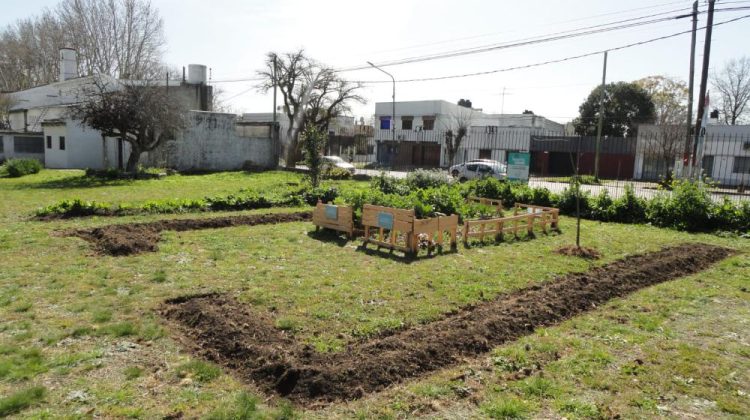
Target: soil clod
x=231, y=333
x=579, y=251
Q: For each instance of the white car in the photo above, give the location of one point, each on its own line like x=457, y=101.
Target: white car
x=337, y=162
x=480, y=168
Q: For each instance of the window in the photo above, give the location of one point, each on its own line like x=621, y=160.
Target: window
x=428, y=123
x=385, y=123
x=62, y=142
x=406, y=123
x=708, y=165
x=741, y=165
x=472, y=167
x=485, y=153
x=49, y=142
x=1, y=145
x=491, y=129
x=28, y=144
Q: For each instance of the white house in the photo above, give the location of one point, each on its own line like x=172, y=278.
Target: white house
x=416, y=136
x=40, y=126
x=725, y=155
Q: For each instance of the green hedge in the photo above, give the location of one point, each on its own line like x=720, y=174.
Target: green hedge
x=20, y=167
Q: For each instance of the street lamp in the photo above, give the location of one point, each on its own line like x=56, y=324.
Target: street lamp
x=393, y=118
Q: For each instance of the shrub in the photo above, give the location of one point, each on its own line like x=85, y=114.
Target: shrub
x=388, y=184
x=629, y=208
x=336, y=173
x=688, y=207
x=312, y=195
x=493, y=188
x=602, y=207
x=588, y=179
x=424, y=178
x=20, y=167
x=566, y=202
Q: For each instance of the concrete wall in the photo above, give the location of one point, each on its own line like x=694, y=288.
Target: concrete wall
x=84, y=147
x=213, y=141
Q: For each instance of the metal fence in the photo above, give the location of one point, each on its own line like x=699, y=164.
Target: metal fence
x=644, y=162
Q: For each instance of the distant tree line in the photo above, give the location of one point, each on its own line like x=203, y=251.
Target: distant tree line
x=119, y=38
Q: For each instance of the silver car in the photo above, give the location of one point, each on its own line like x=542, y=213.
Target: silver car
x=337, y=162
x=479, y=169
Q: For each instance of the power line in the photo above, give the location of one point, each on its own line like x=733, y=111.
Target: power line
x=589, y=30
x=560, y=60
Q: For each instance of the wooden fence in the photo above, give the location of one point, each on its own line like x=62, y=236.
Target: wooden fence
x=497, y=204
x=497, y=227
x=401, y=230
x=339, y=218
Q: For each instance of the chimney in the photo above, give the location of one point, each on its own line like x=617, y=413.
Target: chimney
x=68, y=64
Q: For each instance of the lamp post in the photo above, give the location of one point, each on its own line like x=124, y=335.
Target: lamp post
x=393, y=117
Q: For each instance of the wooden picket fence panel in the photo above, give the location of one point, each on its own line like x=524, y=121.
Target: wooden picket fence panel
x=339, y=218
x=434, y=230
x=520, y=221
x=497, y=204
x=393, y=227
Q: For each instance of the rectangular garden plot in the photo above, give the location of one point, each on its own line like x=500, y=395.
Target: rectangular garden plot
x=338, y=218
x=525, y=218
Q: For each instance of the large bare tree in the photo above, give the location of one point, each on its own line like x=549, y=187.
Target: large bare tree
x=456, y=129
x=142, y=114
x=119, y=38
x=312, y=93
x=670, y=104
x=733, y=84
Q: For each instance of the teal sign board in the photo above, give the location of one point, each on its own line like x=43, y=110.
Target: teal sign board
x=332, y=212
x=385, y=220
x=518, y=166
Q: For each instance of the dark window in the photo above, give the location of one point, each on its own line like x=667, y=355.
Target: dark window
x=485, y=153
x=49, y=142
x=28, y=144
x=428, y=123
x=708, y=165
x=62, y=142
x=406, y=123
x=385, y=123
x=472, y=167
x=483, y=169
x=491, y=129
x=1, y=145
x=741, y=165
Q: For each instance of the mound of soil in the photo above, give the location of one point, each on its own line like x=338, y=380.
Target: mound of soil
x=582, y=252
x=228, y=332
x=133, y=238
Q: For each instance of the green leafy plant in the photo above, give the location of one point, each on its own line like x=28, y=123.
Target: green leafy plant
x=313, y=141
x=19, y=167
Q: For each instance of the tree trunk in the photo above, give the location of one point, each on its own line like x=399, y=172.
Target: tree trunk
x=135, y=156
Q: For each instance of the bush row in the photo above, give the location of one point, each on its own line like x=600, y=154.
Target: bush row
x=19, y=167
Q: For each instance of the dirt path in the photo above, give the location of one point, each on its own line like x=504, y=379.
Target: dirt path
x=230, y=333
x=133, y=238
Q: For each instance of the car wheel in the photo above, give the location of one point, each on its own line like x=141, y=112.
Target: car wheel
x=463, y=179
x=455, y=173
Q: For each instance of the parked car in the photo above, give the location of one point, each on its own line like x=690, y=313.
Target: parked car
x=479, y=168
x=337, y=162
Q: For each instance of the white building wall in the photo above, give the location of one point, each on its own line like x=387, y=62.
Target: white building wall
x=213, y=141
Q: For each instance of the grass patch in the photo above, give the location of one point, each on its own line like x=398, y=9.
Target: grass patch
x=21, y=400
x=132, y=372
x=506, y=408
x=199, y=370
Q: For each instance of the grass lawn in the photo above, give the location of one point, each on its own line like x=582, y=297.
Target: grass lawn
x=80, y=336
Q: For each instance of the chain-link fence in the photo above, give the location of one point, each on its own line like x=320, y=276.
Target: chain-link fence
x=647, y=162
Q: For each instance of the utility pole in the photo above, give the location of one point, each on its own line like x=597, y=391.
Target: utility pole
x=274, y=92
x=601, y=118
x=704, y=79
x=393, y=119
x=502, y=106
x=691, y=88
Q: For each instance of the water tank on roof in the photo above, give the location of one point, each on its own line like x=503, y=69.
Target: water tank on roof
x=197, y=74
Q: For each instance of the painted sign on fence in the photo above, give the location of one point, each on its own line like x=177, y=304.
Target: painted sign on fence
x=518, y=166
x=385, y=220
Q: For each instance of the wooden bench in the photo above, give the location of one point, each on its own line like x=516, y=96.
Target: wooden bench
x=329, y=216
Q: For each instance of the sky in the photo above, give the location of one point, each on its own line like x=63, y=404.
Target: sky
x=232, y=37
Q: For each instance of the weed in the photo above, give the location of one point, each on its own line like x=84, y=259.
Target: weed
x=120, y=329
x=132, y=372
x=199, y=370
x=506, y=408
x=159, y=277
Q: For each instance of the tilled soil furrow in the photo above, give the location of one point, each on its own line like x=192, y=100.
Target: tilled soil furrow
x=222, y=329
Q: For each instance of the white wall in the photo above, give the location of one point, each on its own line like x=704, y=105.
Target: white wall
x=214, y=142
x=84, y=147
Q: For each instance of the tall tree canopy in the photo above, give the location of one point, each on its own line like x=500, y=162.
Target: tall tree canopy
x=625, y=106
x=312, y=93
x=733, y=85
x=143, y=115
x=119, y=38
